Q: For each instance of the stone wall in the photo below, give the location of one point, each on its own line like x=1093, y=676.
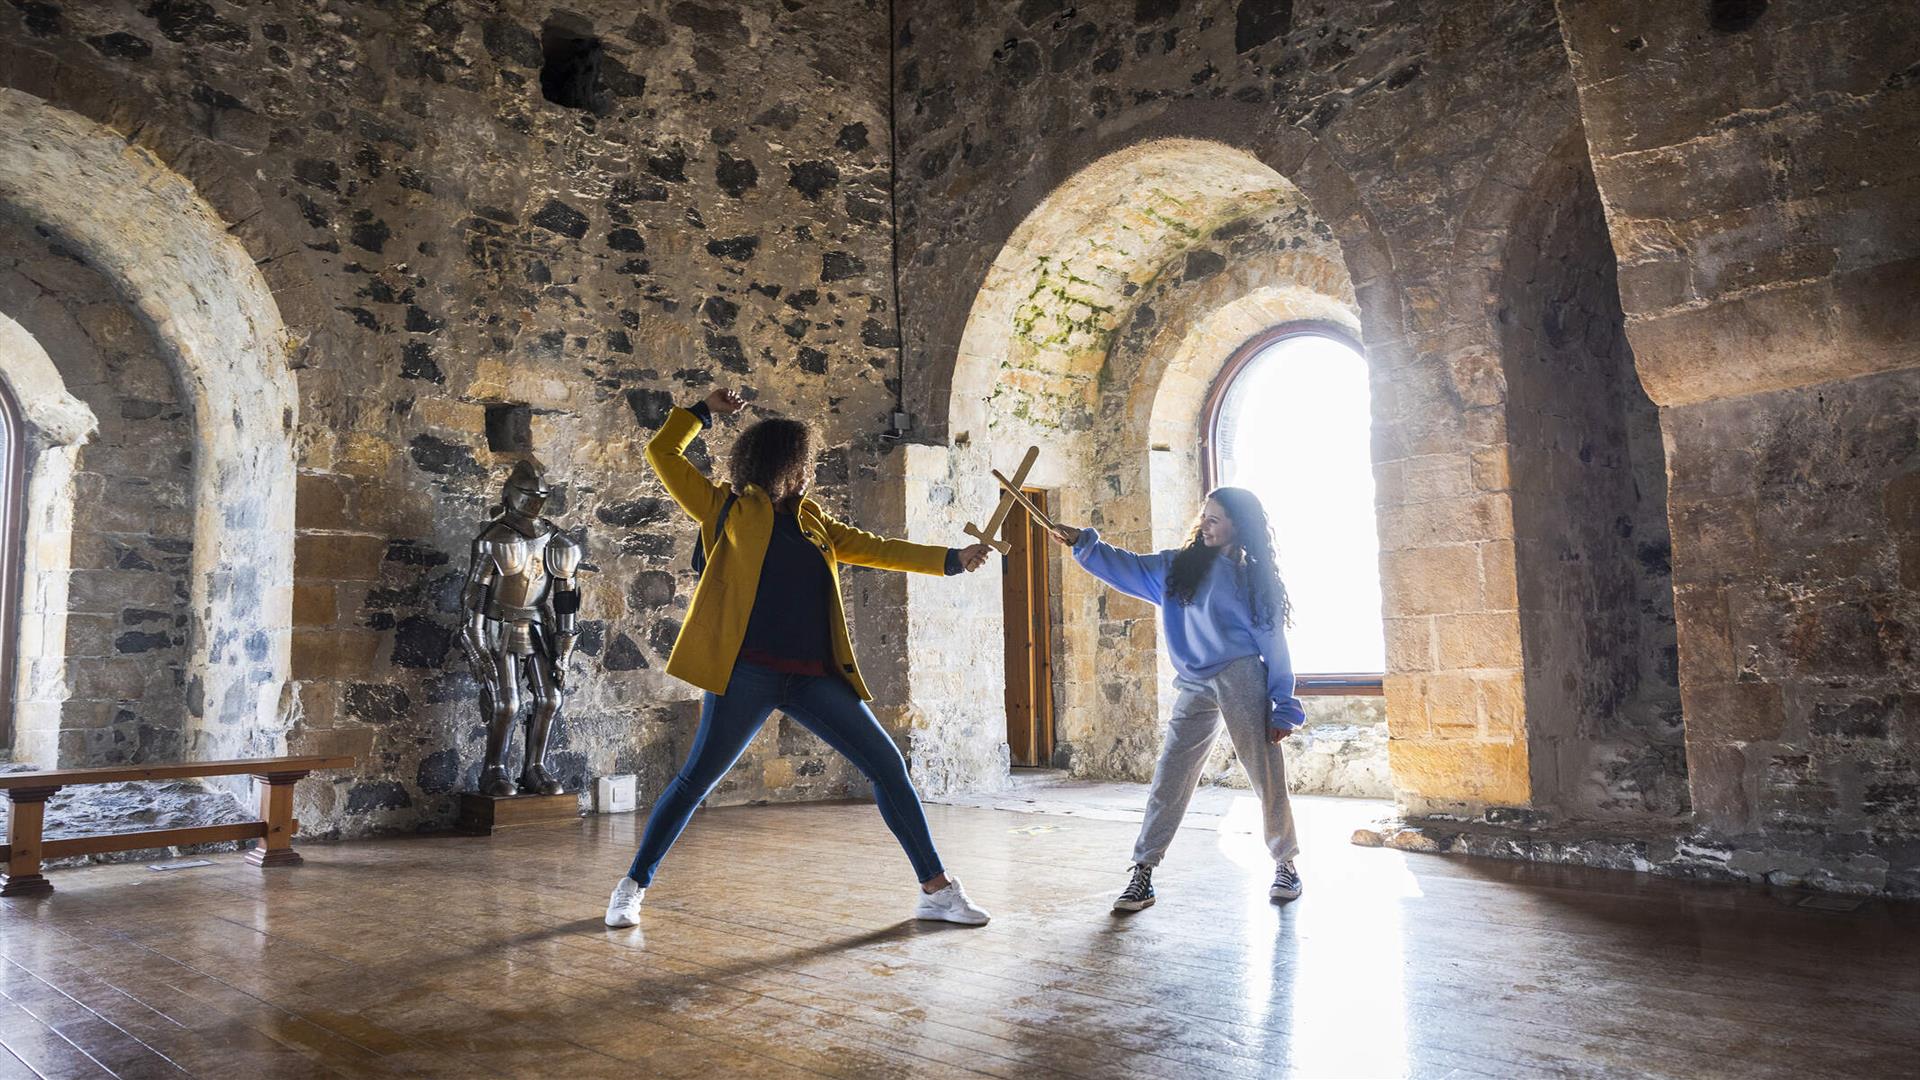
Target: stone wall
x=451, y=239
x=1750, y=157
x=111, y=690
x=1589, y=492
x=442, y=240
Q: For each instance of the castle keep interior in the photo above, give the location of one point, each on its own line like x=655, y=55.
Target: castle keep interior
x=288, y=288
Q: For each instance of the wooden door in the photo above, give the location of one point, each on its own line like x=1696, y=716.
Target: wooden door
x=1026, y=595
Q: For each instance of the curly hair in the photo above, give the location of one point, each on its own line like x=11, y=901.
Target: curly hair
x=776, y=455
x=1259, y=568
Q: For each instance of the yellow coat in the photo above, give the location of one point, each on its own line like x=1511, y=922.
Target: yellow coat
x=716, y=624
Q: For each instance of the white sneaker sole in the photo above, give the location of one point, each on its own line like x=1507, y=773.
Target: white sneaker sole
x=1283, y=894
x=958, y=920
x=1133, y=905
x=622, y=920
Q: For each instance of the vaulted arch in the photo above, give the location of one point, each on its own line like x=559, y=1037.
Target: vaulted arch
x=172, y=257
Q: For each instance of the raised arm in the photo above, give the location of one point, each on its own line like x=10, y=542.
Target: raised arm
x=858, y=547
x=1144, y=576
x=667, y=455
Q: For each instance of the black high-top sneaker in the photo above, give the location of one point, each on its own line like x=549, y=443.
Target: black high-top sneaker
x=1286, y=882
x=1139, y=891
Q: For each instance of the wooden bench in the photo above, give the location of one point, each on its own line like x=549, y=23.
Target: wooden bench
x=27, y=792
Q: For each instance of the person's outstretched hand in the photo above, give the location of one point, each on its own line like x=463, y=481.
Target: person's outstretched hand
x=1066, y=534
x=973, y=557
x=724, y=402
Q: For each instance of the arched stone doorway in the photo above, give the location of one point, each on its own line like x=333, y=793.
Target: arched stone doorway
x=1096, y=335
x=200, y=295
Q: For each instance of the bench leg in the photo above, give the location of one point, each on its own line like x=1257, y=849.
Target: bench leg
x=276, y=809
x=26, y=820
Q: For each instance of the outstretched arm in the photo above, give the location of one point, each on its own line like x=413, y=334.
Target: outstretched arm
x=667, y=454
x=1144, y=576
x=858, y=547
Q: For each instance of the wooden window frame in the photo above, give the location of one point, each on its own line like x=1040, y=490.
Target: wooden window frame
x=13, y=511
x=1318, y=684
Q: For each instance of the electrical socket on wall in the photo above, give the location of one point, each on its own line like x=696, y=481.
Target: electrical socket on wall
x=616, y=794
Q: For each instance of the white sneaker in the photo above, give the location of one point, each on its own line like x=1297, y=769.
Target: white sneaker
x=950, y=905
x=623, y=907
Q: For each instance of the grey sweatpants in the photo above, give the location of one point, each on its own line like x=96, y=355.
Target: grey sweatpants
x=1238, y=692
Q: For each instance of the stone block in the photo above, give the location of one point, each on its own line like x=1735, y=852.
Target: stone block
x=321, y=557
x=1423, y=479
x=319, y=703
x=1406, y=710
x=777, y=773
x=1653, y=286
x=1469, y=771
x=109, y=591
x=1792, y=335
x=108, y=680
x=1431, y=581
x=1470, y=519
x=355, y=740
x=1717, y=784
x=1739, y=712
x=1409, y=644
x=1452, y=704
x=1501, y=582
x=1702, y=626
x=337, y=654
x=1488, y=639
x=315, y=605
x=1490, y=469
x=321, y=502
x=90, y=636
x=1477, y=379
x=1503, y=703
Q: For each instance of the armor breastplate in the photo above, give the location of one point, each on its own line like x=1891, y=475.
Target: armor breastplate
x=520, y=585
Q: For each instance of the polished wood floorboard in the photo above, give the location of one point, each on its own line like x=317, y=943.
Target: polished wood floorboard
x=776, y=944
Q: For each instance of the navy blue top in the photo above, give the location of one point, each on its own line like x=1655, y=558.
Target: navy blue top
x=791, y=616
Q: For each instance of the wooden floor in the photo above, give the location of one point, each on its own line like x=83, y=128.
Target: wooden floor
x=775, y=945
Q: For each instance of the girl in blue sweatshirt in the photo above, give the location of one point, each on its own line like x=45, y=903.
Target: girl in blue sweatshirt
x=1224, y=612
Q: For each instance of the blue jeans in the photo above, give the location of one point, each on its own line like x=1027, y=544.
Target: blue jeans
x=826, y=706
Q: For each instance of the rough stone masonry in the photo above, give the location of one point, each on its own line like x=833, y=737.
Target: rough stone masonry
x=1653, y=258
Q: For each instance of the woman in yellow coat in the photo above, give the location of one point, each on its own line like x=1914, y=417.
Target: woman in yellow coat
x=766, y=630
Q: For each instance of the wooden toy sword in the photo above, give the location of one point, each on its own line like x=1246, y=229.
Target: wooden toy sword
x=990, y=535
x=1013, y=489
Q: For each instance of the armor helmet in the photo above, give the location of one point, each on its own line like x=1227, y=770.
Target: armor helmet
x=527, y=489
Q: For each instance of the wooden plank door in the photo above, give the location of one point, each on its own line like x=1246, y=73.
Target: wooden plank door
x=1026, y=595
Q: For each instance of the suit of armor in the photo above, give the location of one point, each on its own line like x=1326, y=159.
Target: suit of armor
x=522, y=602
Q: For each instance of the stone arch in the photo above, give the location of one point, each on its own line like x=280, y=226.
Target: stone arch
x=1054, y=350
x=172, y=257
x=1277, y=265
x=1244, y=140
x=55, y=426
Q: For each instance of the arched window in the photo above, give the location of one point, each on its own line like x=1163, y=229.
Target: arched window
x=1289, y=419
x=13, y=496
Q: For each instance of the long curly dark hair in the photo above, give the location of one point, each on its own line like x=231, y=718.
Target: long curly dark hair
x=1253, y=539
x=775, y=454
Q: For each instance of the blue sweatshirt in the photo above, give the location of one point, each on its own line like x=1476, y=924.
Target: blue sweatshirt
x=1206, y=635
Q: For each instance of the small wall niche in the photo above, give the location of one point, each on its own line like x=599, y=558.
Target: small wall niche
x=510, y=428
x=570, y=71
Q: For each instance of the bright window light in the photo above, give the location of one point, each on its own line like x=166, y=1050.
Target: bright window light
x=1293, y=428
